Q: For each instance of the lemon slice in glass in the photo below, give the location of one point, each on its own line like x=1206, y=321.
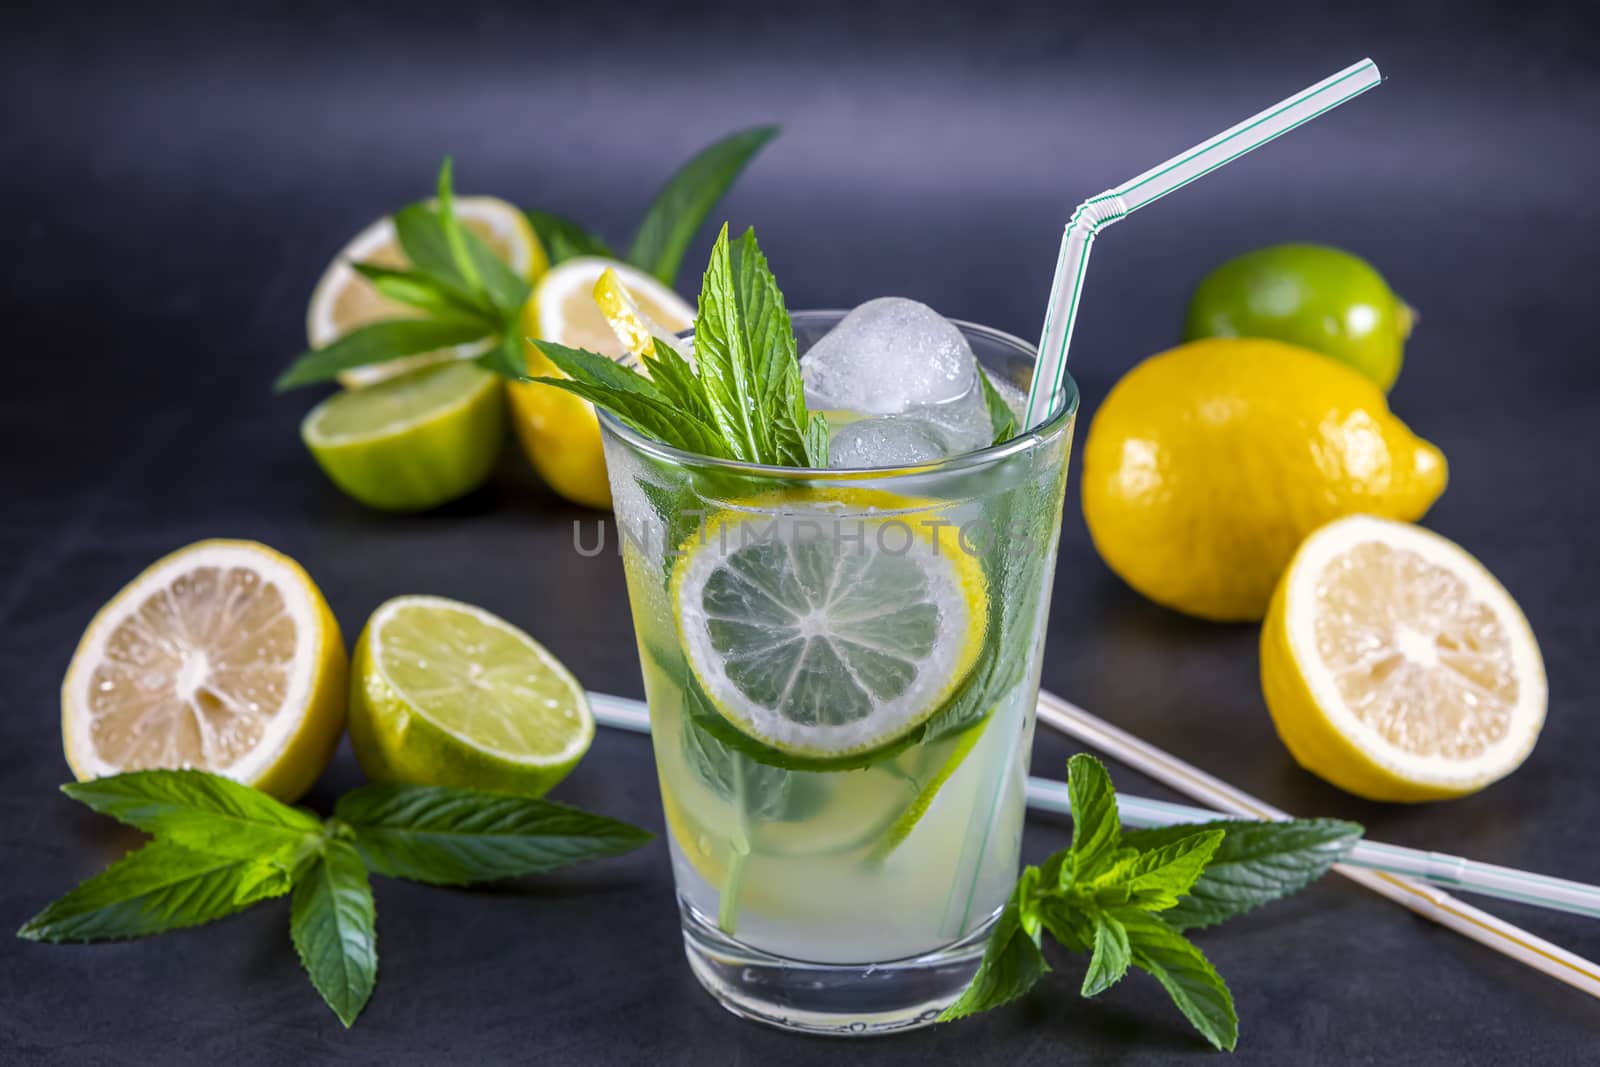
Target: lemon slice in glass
x=444, y=693
x=824, y=633
x=222, y=657
x=344, y=299
x=1396, y=667
x=412, y=442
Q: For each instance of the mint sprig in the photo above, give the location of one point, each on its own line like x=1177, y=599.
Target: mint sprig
x=220, y=846
x=741, y=399
x=1124, y=899
x=465, y=294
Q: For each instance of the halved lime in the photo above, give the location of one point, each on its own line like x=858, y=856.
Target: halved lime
x=411, y=442
x=823, y=630
x=443, y=693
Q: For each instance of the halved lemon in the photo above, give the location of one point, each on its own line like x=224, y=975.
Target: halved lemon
x=559, y=431
x=222, y=656
x=344, y=299
x=825, y=630
x=444, y=693
x=1396, y=667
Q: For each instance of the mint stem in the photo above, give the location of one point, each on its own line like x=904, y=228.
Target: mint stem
x=733, y=882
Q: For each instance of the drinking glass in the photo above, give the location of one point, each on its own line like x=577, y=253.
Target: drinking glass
x=841, y=669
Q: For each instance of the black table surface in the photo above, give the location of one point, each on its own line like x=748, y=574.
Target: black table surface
x=177, y=178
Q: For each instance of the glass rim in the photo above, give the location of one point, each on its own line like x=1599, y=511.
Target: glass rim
x=1023, y=442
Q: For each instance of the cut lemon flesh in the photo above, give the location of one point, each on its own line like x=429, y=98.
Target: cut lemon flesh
x=1397, y=667
x=824, y=633
x=559, y=431
x=223, y=657
x=445, y=693
x=635, y=329
x=344, y=299
x=566, y=312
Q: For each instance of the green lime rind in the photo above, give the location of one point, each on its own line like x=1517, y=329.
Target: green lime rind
x=396, y=738
x=412, y=442
x=901, y=828
x=1320, y=298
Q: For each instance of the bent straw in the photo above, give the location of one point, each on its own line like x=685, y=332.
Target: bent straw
x=1425, y=900
x=1100, y=211
x=1045, y=794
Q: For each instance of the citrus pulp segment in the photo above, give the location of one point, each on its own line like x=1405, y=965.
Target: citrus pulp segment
x=1397, y=667
x=223, y=657
x=444, y=693
x=824, y=634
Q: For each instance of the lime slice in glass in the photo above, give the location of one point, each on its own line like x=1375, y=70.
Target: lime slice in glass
x=823, y=633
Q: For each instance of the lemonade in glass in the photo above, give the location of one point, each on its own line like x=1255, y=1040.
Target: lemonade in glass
x=841, y=667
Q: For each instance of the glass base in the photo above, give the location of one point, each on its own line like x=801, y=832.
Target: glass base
x=846, y=1000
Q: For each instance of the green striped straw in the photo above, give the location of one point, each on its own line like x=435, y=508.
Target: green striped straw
x=1100, y=211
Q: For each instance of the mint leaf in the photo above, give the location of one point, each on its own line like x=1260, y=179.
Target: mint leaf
x=1111, y=955
x=675, y=377
x=591, y=368
x=333, y=924
x=1095, y=826
x=564, y=239
x=1001, y=417
x=725, y=362
x=1067, y=919
x=422, y=238
x=631, y=397
x=459, y=836
x=506, y=290
x=1188, y=977
x=778, y=393
x=730, y=774
x=1256, y=863
x=505, y=357
x=377, y=342
x=1158, y=877
x=688, y=197
x=466, y=266
x=160, y=887
x=200, y=811
x=419, y=290
x=1012, y=963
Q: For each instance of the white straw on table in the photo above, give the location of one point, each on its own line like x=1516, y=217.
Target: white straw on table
x=1100, y=211
x=1045, y=794
x=1423, y=899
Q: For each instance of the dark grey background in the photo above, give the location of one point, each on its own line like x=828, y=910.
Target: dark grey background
x=175, y=180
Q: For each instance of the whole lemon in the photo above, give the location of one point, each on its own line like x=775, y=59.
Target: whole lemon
x=1208, y=464
x=1324, y=298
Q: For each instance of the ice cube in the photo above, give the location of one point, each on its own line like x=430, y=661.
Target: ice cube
x=886, y=357
x=886, y=441
x=963, y=424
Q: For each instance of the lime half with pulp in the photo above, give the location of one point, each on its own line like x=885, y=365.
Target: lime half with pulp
x=412, y=442
x=826, y=633
x=443, y=693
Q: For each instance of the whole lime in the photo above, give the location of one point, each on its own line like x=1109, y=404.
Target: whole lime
x=1317, y=297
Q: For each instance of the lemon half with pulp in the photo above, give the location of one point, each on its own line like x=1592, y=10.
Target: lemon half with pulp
x=221, y=657
x=1396, y=667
